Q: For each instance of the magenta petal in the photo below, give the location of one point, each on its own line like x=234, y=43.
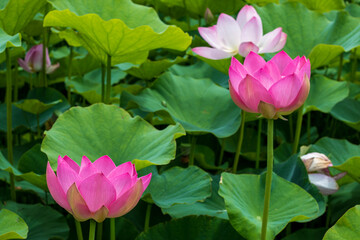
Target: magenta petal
x=245, y=14
x=228, y=32
x=79, y=208
x=121, y=183
x=301, y=96
x=270, y=40
x=71, y=163
x=29, y=55
x=251, y=92
x=247, y=47
x=24, y=65
x=281, y=60
x=237, y=100
x=264, y=77
x=97, y=191
x=66, y=175
x=291, y=67
x=253, y=62
x=285, y=91
x=35, y=59
x=104, y=164
x=252, y=31
x=146, y=180
x=209, y=34
x=211, y=53
x=127, y=167
x=86, y=169
x=55, y=188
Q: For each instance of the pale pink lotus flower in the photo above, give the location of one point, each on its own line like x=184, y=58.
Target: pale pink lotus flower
x=95, y=190
x=273, y=88
x=230, y=37
x=33, y=60
x=317, y=165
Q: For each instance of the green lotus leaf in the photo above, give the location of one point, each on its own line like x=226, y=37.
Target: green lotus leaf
x=179, y=186
x=125, y=31
x=353, y=9
x=191, y=228
x=324, y=94
x=348, y=226
x=16, y=14
x=212, y=206
x=348, y=112
x=198, y=104
x=244, y=201
x=35, y=106
x=8, y=41
x=43, y=221
x=322, y=5
x=319, y=37
x=109, y=130
x=12, y=226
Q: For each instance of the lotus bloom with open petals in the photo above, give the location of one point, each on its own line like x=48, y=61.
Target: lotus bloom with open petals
x=273, y=88
x=230, y=37
x=33, y=60
x=95, y=190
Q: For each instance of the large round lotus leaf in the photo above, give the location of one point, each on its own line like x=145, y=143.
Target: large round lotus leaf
x=43, y=221
x=307, y=29
x=212, y=206
x=244, y=201
x=179, y=186
x=38, y=179
x=191, y=228
x=325, y=94
x=198, y=104
x=109, y=130
x=16, y=14
x=348, y=226
x=348, y=112
x=12, y=226
x=8, y=41
x=124, y=30
x=322, y=5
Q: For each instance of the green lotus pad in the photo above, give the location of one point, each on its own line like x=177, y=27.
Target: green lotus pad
x=9, y=41
x=113, y=31
x=12, y=226
x=109, y=130
x=198, y=104
x=244, y=201
x=35, y=106
x=309, y=33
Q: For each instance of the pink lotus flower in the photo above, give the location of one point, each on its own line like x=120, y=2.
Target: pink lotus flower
x=229, y=36
x=33, y=60
x=317, y=165
x=96, y=190
x=273, y=88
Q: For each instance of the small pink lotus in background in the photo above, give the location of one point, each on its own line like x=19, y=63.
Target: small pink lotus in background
x=273, y=88
x=96, y=190
x=317, y=165
x=230, y=37
x=33, y=60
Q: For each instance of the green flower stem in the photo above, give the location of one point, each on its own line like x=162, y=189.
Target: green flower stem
x=147, y=217
x=102, y=82
x=38, y=126
x=192, y=150
x=108, y=79
x=15, y=79
x=353, y=66
x=258, y=144
x=298, y=129
x=112, y=228
x=92, y=229
x=69, y=74
x=340, y=66
x=241, y=137
x=99, y=231
x=291, y=129
x=222, y=151
x=308, y=128
x=45, y=41
x=9, y=121
x=78, y=230
x=270, y=162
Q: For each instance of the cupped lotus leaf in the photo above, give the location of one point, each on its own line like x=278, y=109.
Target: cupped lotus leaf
x=9, y=41
x=191, y=228
x=151, y=69
x=36, y=179
x=306, y=233
x=12, y=226
x=322, y=5
x=123, y=30
x=212, y=206
x=179, y=186
x=198, y=104
x=307, y=29
x=35, y=106
x=324, y=94
x=348, y=112
x=16, y=14
x=348, y=226
x=244, y=201
x=353, y=9
x=102, y=129
x=43, y=221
